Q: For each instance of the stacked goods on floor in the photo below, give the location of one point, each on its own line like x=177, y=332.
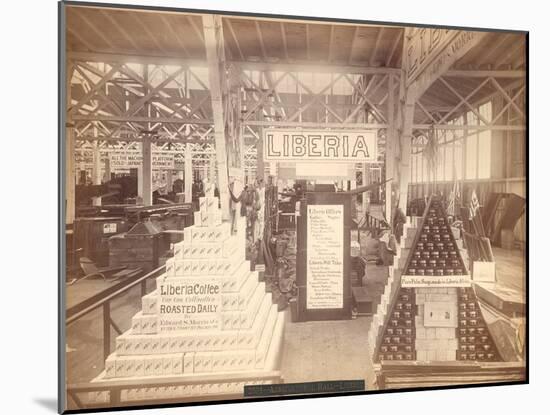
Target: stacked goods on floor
x=209, y=317
x=429, y=310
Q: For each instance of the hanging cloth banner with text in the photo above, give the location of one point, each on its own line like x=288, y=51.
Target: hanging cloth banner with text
x=346, y=146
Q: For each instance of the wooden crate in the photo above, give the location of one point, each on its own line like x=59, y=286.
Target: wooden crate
x=134, y=250
x=92, y=235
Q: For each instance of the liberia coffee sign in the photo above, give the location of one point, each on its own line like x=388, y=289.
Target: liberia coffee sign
x=190, y=304
x=320, y=145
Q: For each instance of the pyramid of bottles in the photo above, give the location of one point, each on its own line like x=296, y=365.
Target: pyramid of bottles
x=474, y=339
x=399, y=334
x=243, y=326
x=435, y=252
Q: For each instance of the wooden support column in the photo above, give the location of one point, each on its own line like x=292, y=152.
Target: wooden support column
x=96, y=167
x=70, y=165
x=188, y=175
x=70, y=175
x=213, y=37
x=169, y=181
x=140, y=185
x=405, y=139
x=498, y=144
x=365, y=172
x=260, y=165
x=147, y=172
x=107, y=174
x=391, y=139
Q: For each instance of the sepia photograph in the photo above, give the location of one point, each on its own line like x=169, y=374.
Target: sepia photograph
x=273, y=206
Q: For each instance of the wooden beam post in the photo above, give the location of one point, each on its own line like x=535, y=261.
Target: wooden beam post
x=70, y=175
x=366, y=181
x=260, y=165
x=169, y=180
x=147, y=172
x=213, y=37
x=405, y=138
x=188, y=175
x=107, y=174
x=391, y=138
x=96, y=167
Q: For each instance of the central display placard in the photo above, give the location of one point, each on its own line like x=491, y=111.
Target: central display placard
x=325, y=256
x=190, y=304
x=347, y=146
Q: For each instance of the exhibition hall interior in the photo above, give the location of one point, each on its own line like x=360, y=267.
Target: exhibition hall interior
x=254, y=200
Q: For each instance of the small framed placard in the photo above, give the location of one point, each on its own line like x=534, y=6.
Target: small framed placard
x=440, y=314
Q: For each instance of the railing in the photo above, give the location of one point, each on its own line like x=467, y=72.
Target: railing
x=103, y=300
x=115, y=387
x=372, y=224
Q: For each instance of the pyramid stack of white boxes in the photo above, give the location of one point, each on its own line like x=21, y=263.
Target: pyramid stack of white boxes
x=209, y=315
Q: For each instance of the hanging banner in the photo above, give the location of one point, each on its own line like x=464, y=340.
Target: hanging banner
x=320, y=145
x=131, y=159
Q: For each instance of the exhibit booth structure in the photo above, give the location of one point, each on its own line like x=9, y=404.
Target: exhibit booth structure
x=430, y=317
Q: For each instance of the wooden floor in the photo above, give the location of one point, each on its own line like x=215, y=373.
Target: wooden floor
x=326, y=350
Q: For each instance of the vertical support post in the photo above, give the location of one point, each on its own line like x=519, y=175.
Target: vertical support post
x=169, y=180
x=140, y=185
x=96, y=167
x=188, y=175
x=70, y=175
x=405, y=115
x=213, y=36
x=106, y=330
x=70, y=172
x=147, y=171
x=260, y=165
x=391, y=138
x=107, y=169
x=365, y=183
x=464, y=153
x=405, y=138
